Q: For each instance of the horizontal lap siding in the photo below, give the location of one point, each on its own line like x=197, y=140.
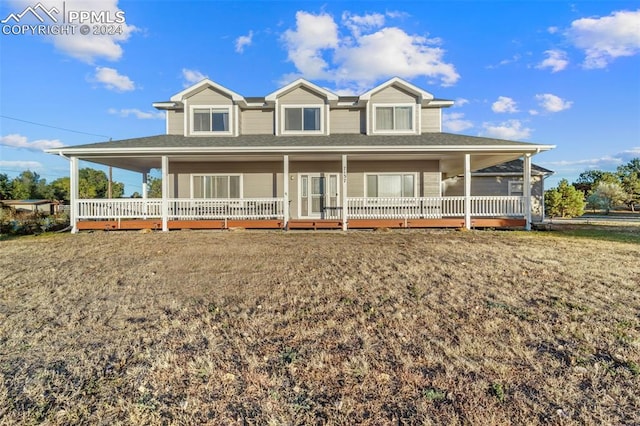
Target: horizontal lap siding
x=393, y=95
x=497, y=186
x=257, y=122
x=428, y=173
x=301, y=96
x=259, y=179
x=209, y=96
x=347, y=121
x=175, y=122
x=431, y=119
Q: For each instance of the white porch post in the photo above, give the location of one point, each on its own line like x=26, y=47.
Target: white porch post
x=467, y=191
x=526, y=191
x=165, y=193
x=74, y=193
x=344, y=193
x=145, y=189
x=285, y=190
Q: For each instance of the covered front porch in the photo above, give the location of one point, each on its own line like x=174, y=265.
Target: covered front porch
x=268, y=213
x=341, y=202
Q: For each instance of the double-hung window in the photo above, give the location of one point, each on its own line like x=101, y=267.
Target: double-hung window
x=394, y=185
x=216, y=186
x=390, y=118
x=214, y=120
x=516, y=188
x=302, y=119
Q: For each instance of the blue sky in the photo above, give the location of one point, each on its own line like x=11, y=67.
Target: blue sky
x=549, y=72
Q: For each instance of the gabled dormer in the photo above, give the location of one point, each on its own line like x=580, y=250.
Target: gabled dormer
x=397, y=107
x=302, y=108
x=204, y=109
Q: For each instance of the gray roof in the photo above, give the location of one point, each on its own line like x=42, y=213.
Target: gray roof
x=338, y=140
x=515, y=167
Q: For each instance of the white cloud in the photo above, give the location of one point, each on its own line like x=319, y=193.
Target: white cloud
x=513, y=59
x=18, y=141
x=112, y=80
x=553, y=103
x=192, y=76
x=606, y=162
x=313, y=34
x=244, y=41
x=455, y=122
x=460, y=102
x=89, y=47
x=556, y=60
x=368, y=54
x=552, y=30
x=606, y=38
x=504, y=104
x=511, y=129
x=533, y=112
x=20, y=164
x=142, y=115
x=359, y=23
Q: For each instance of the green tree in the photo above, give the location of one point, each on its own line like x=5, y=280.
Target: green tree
x=61, y=188
x=94, y=183
x=564, y=201
x=155, y=187
x=588, y=180
x=608, y=195
x=629, y=175
x=27, y=185
x=5, y=187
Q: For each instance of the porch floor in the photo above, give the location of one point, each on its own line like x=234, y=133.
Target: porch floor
x=314, y=224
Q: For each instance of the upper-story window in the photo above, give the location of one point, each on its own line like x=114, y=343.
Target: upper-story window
x=302, y=119
x=211, y=119
x=393, y=118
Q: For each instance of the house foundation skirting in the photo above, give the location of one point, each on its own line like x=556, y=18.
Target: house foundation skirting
x=310, y=224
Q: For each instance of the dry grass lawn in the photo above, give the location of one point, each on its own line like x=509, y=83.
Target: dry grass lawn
x=300, y=328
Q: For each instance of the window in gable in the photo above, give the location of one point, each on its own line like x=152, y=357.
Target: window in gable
x=302, y=119
x=394, y=118
x=211, y=120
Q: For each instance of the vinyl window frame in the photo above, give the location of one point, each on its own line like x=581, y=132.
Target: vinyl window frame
x=193, y=176
x=192, y=120
x=414, y=123
x=283, y=113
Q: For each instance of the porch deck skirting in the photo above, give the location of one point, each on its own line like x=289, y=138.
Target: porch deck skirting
x=269, y=213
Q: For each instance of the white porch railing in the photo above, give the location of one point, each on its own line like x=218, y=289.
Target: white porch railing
x=231, y=208
x=104, y=208
x=432, y=207
x=511, y=206
x=273, y=208
x=139, y=208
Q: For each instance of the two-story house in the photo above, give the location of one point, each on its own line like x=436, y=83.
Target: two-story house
x=304, y=157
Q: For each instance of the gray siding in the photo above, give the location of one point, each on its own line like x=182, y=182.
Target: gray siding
x=209, y=96
x=497, y=186
x=265, y=179
x=301, y=95
x=347, y=120
x=393, y=95
x=175, y=122
x=431, y=119
x=257, y=122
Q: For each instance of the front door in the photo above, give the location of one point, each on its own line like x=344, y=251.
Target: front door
x=318, y=195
